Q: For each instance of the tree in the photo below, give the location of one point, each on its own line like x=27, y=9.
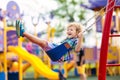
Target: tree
x=70, y=10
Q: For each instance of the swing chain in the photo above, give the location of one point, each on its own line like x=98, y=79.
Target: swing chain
x=97, y=14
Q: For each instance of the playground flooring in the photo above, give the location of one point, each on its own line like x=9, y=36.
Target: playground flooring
x=30, y=76
x=77, y=78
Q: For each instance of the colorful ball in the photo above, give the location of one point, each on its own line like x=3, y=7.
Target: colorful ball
x=14, y=67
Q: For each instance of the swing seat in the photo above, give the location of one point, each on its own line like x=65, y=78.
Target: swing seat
x=56, y=53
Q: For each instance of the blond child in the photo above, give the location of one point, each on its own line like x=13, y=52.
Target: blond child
x=74, y=36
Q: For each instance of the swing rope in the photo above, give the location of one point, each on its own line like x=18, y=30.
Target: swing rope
x=97, y=14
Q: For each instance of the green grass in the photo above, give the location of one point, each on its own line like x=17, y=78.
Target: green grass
x=71, y=77
x=30, y=76
x=77, y=78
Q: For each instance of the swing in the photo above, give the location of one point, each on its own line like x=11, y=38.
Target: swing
x=56, y=53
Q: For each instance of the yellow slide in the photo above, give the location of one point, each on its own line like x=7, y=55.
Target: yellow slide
x=35, y=62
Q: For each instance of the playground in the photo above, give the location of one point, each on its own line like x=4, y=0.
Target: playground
x=99, y=54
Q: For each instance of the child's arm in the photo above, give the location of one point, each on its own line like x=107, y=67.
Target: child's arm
x=79, y=43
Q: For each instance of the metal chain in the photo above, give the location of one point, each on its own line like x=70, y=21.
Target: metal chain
x=98, y=15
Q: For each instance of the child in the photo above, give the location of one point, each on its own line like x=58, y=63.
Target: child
x=74, y=36
x=81, y=65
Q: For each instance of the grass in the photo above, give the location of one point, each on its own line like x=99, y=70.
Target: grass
x=77, y=78
x=30, y=76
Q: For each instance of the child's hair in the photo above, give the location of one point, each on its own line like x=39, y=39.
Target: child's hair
x=78, y=26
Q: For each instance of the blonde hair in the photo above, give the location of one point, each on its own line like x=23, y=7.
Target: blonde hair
x=78, y=26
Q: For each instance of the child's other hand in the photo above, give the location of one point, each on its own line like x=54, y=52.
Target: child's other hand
x=80, y=35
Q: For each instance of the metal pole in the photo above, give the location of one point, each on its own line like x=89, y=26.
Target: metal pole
x=105, y=40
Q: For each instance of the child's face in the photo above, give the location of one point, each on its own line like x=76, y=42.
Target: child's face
x=71, y=32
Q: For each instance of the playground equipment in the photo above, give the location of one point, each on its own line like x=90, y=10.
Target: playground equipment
x=10, y=55
x=111, y=24
x=12, y=11
x=105, y=38
x=18, y=65
x=8, y=37
x=36, y=63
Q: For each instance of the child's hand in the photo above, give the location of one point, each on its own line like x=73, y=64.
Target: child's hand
x=80, y=35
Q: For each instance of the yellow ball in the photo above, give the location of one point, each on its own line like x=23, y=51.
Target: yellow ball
x=14, y=67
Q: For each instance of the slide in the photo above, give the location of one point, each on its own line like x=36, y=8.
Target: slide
x=35, y=62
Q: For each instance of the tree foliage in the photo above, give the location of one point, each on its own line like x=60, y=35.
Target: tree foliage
x=70, y=10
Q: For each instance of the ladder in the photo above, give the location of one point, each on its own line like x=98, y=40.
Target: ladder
x=105, y=40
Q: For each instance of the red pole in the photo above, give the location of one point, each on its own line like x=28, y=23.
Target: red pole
x=105, y=39
x=114, y=35
x=112, y=65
